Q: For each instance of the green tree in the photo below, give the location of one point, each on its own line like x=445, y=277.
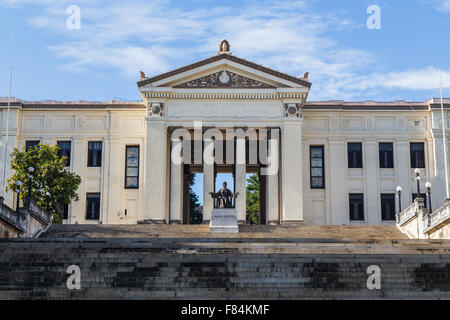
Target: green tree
x=52, y=186
x=252, y=199
x=196, y=216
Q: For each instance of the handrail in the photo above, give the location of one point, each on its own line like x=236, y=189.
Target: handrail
x=438, y=216
x=411, y=211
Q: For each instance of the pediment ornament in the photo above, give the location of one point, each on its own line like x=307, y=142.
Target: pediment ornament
x=224, y=79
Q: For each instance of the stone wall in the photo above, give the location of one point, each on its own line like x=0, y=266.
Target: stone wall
x=441, y=233
x=28, y=221
x=417, y=222
x=223, y=269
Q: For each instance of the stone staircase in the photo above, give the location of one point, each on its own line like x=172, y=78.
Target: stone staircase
x=389, y=232
x=223, y=268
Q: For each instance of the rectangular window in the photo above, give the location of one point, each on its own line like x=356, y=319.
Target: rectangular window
x=388, y=207
x=356, y=201
x=94, y=154
x=317, y=167
x=386, y=154
x=66, y=212
x=423, y=196
x=30, y=144
x=64, y=148
x=132, y=167
x=92, y=206
x=354, y=150
x=417, y=154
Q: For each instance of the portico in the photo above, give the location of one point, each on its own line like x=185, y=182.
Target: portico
x=224, y=114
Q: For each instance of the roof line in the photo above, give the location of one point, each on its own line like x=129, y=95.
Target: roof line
x=228, y=57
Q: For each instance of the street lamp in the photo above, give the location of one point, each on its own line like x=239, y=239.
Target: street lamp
x=399, y=196
x=417, y=171
x=428, y=186
x=18, y=184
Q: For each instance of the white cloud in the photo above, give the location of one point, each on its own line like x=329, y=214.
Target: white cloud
x=442, y=5
x=159, y=35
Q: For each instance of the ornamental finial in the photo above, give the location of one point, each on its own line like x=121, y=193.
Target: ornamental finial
x=224, y=47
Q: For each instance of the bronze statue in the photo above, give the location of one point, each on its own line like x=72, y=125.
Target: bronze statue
x=224, y=197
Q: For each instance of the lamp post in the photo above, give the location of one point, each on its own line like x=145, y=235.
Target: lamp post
x=18, y=184
x=428, y=186
x=30, y=178
x=399, y=196
x=417, y=171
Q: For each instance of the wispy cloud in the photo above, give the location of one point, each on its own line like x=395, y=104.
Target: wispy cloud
x=441, y=5
x=159, y=35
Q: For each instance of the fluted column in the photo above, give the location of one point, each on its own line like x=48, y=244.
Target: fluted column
x=208, y=179
x=241, y=180
x=272, y=205
x=176, y=183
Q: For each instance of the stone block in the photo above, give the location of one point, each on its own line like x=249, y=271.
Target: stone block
x=224, y=221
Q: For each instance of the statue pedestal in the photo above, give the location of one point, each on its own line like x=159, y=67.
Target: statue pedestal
x=224, y=221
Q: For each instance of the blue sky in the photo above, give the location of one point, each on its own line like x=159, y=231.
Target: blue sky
x=330, y=39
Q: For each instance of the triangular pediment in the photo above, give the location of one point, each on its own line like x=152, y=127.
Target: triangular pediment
x=223, y=71
x=224, y=79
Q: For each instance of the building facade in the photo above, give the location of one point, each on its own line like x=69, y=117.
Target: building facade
x=336, y=162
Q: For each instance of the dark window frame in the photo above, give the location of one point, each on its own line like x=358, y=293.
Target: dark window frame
x=31, y=143
x=90, y=161
x=417, y=157
x=92, y=196
x=126, y=166
x=355, y=157
x=386, y=157
x=387, y=197
x=63, y=152
x=360, y=208
x=311, y=167
x=65, y=212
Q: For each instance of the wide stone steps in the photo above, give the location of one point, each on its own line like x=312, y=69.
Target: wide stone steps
x=389, y=232
x=223, y=268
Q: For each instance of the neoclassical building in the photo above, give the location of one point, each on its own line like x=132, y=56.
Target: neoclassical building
x=335, y=162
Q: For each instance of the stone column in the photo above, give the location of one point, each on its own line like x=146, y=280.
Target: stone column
x=79, y=163
x=437, y=175
x=337, y=185
x=403, y=165
x=155, y=175
x=272, y=205
x=10, y=196
x=241, y=180
x=208, y=180
x=372, y=194
x=176, y=183
x=112, y=189
x=291, y=174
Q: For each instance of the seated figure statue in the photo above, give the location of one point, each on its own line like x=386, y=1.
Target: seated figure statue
x=224, y=197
